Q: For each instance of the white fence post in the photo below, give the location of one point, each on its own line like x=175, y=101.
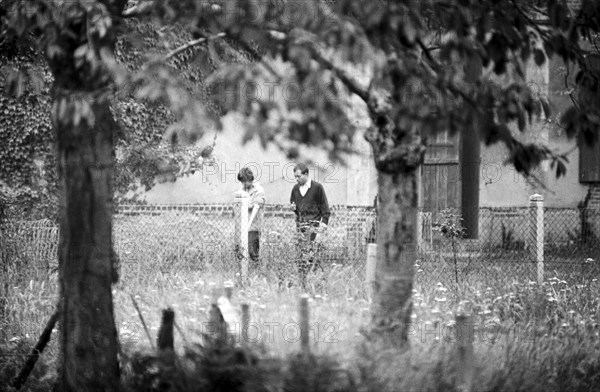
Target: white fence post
x=241, y=205
x=419, y=231
x=536, y=207
x=371, y=266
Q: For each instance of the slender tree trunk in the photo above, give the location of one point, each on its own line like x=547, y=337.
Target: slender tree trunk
x=88, y=333
x=396, y=255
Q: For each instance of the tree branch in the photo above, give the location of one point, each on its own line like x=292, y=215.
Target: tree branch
x=566, y=79
x=308, y=40
x=348, y=80
x=35, y=353
x=536, y=25
x=142, y=7
x=256, y=55
x=195, y=42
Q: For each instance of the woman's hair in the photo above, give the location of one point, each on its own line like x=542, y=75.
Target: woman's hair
x=245, y=175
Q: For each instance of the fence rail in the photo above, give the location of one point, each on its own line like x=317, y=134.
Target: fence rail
x=204, y=236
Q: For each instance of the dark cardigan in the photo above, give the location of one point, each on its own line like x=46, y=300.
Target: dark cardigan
x=313, y=206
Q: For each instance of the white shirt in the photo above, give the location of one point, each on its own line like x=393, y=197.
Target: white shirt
x=304, y=188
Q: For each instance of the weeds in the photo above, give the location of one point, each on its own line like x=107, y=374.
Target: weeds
x=526, y=336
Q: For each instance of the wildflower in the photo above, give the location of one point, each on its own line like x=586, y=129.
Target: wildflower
x=440, y=299
x=589, y=260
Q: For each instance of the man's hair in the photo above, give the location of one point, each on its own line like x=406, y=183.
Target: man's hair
x=302, y=167
x=245, y=175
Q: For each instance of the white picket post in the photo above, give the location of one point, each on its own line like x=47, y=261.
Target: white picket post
x=371, y=267
x=419, y=231
x=536, y=204
x=242, y=200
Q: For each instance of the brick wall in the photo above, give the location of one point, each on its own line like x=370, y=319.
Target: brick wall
x=271, y=210
x=160, y=209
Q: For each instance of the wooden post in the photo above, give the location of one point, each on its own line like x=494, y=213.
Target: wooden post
x=165, y=339
x=241, y=205
x=536, y=204
x=371, y=267
x=466, y=365
x=419, y=231
x=304, y=325
x=228, y=286
x=245, y=324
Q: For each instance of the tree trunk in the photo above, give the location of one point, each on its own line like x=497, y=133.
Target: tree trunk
x=396, y=255
x=470, y=148
x=470, y=161
x=84, y=129
x=87, y=327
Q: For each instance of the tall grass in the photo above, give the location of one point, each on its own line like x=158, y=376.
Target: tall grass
x=526, y=337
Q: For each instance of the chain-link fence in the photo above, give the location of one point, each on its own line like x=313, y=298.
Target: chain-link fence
x=512, y=243
x=28, y=245
x=206, y=237
x=174, y=237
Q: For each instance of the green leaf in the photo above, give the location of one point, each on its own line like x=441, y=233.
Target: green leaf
x=570, y=121
x=561, y=169
x=539, y=57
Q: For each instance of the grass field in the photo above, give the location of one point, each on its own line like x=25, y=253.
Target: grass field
x=526, y=337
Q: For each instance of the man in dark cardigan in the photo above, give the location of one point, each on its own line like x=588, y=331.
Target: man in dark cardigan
x=310, y=205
